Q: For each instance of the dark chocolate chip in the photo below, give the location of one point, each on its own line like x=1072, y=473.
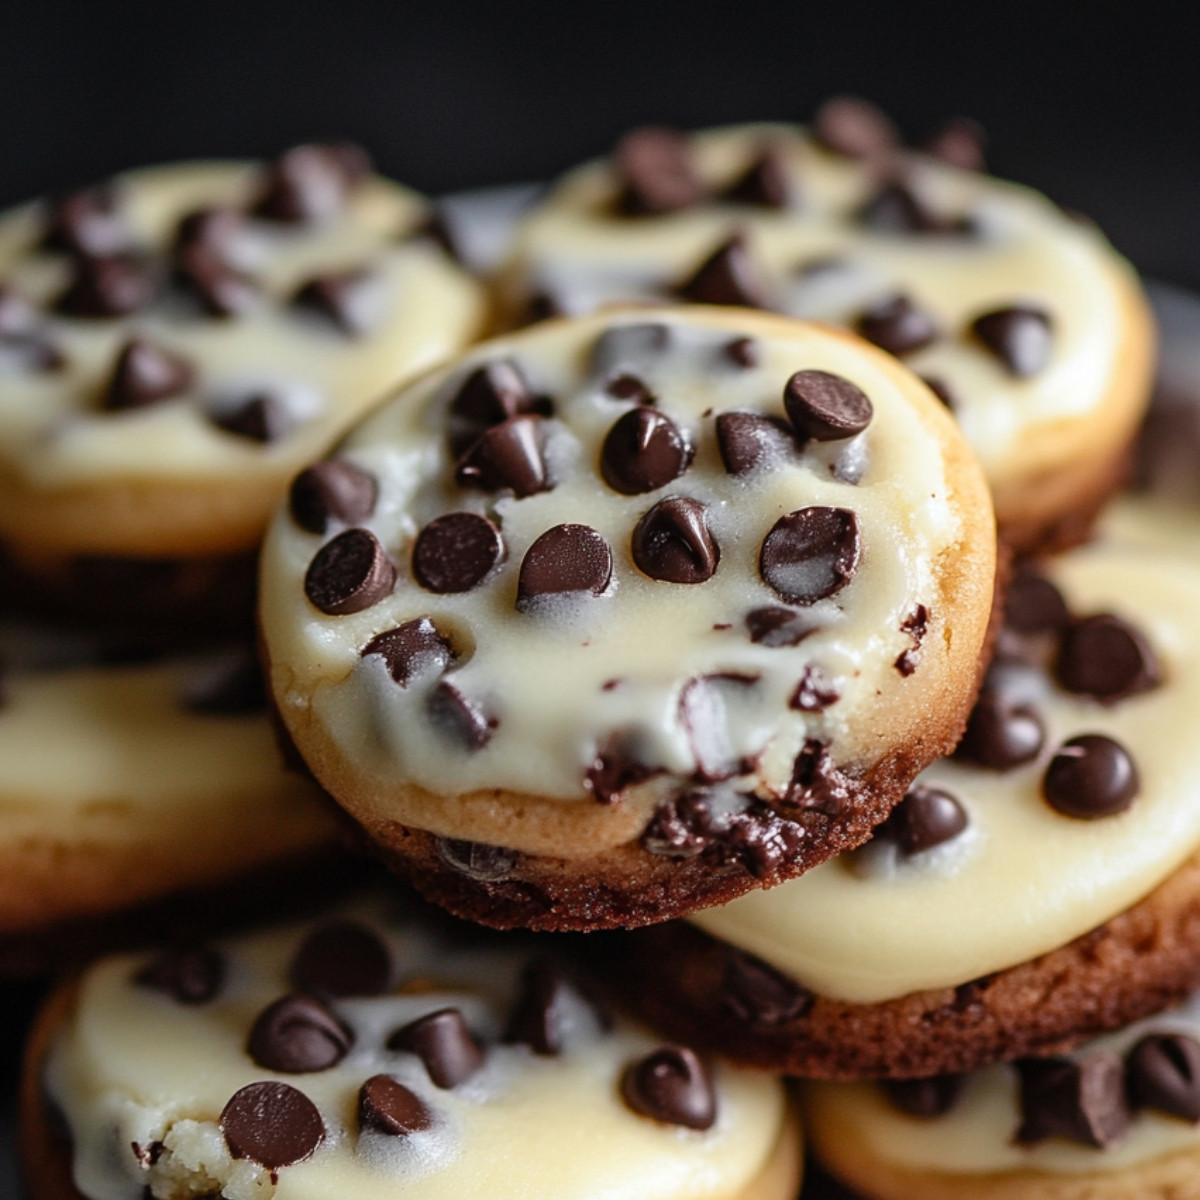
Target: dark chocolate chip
x=491, y=394
x=1163, y=1072
x=565, y=560
x=310, y=183
x=642, y=452
x=477, y=860
x=742, y=352
x=750, y=441
x=438, y=228
x=332, y=490
x=337, y=298
x=671, y=1085
x=626, y=346
x=1001, y=733
x=456, y=552
x=216, y=229
x=810, y=554
x=412, y=650
x=942, y=390
x=727, y=276
x=815, y=692
x=1080, y=1101
x=106, y=287
x=144, y=375
x=1091, y=776
x=816, y=784
x=926, y=817
x=442, y=1041
x=897, y=325
x=775, y=626
x=189, y=976
x=629, y=387
x=86, y=223
x=656, y=174
x=221, y=290
x=615, y=768
x=459, y=717
x=764, y=183
x=1020, y=337
x=261, y=417
x=672, y=542
x=538, y=1019
x=235, y=688
x=342, y=958
x=272, y=1124
x=387, y=1106
x=348, y=574
x=960, y=142
x=298, y=1033
x=508, y=455
x=932, y=1097
x=754, y=992
x=895, y=208
x=1034, y=605
x=826, y=407
x=1106, y=658
x=855, y=127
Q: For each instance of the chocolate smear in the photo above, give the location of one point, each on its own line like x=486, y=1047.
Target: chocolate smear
x=815, y=692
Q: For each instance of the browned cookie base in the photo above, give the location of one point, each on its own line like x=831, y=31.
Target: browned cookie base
x=711, y=995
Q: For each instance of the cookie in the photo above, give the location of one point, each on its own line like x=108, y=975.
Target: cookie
x=1116, y=1118
x=175, y=344
x=1024, y=320
x=124, y=784
x=374, y=1054
x=1041, y=886
x=642, y=611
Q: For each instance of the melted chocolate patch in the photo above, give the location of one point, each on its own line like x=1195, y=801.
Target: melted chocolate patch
x=815, y=692
x=412, y=650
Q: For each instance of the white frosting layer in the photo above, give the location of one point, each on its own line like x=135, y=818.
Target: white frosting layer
x=544, y=675
x=1022, y=879
x=134, y=1066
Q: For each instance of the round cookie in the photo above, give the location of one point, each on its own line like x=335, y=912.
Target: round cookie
x=644, y=610
x=1040, y=887
x=175, y=344
x=376, y=1054
x=1023, y=319
x=125, y=784
x=1115, y=1119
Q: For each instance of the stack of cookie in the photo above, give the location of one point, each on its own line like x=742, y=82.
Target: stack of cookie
x=680, y=604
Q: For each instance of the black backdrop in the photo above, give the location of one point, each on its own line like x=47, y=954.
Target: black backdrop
x=1098, y=105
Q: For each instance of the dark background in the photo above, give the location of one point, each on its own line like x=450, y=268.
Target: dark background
x=1097, y=105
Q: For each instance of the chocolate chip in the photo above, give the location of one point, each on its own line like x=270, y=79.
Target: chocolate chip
x=18, y=318
x=897, y=325
x=926, y=817
x=816, y=784
x=742, y=352
x=754, y=992
x=106, y=287
x=942, y=390
x=477, y=860
x=459, y=717
x=1091, y=776
x=386, y=1106
x=216, y=229
x=193, y=975
x=442, y=1041
x=339, y=299
x=342, y=958
x=628, y=346
x=672, y=542
x=310, y=183
x=826, y=407
x=1106, y=658
x=144, y=375
x=565, y=560
x=1080, y=1101
x=349, y=574
x=815, y=692
x=538, y=1019
x=221, y=290
x=614, y=768
x=412, y=650
x=1020, y=337
x=671, y=1085
x=642, y=452
x=775, y=626
x=896, y=209
x=260, y=417
x=810, y=554
x=491, y=394
x=655, y=171
x=298, y=1033
x=1001, y=733
x=272, y=1124
x=235, y=688
x=727, y=276
x=1034, y=605
x=629, y=387
x=932, y=1097
x=764, y=183
x=855, y=127
x=332, y=490
x=961, y=143
x=456, y=552
x=86, y=223
x=1163, y=1072
x=508, y=455
x=750, y=441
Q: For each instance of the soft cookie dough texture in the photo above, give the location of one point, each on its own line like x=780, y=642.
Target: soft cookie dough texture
x=697, y=694
x=906, y=248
